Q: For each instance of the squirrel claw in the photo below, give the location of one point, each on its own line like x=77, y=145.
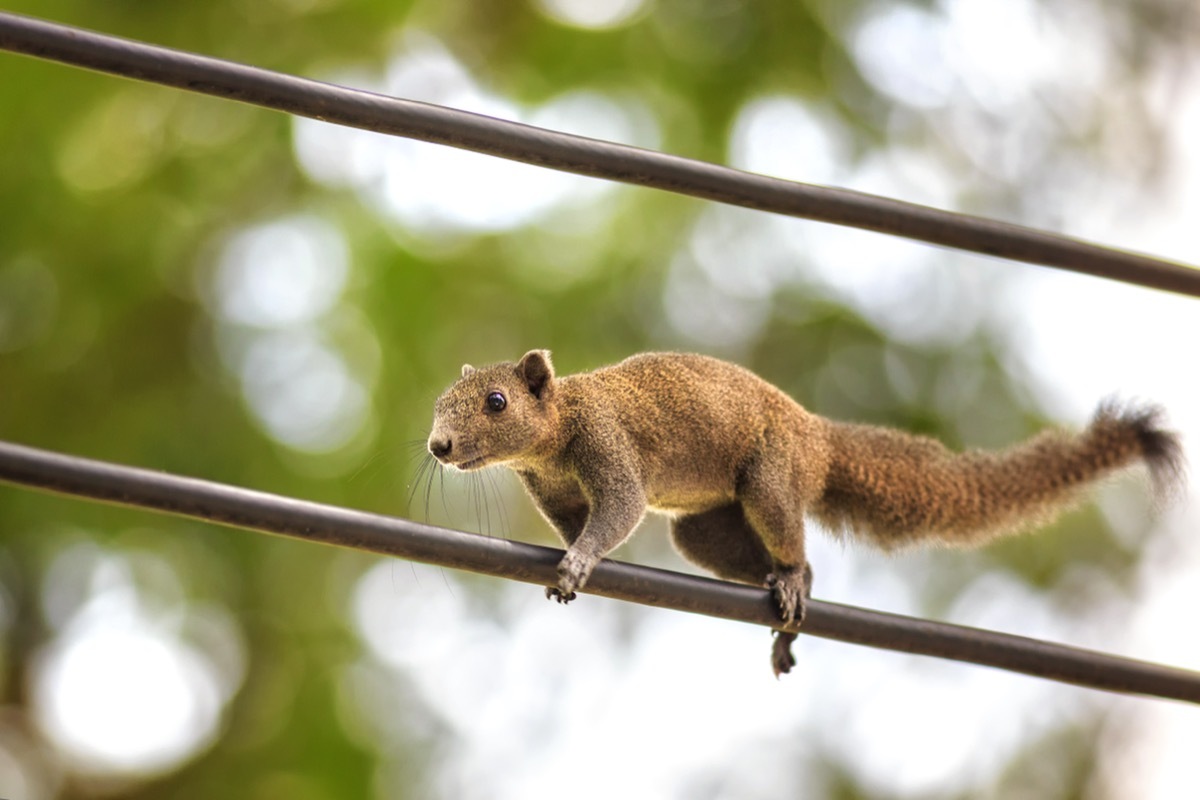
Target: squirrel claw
x=791, y=587
x=554, y=593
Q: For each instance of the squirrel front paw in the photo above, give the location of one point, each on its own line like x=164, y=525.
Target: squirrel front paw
x=554, y=593
x=573, y=572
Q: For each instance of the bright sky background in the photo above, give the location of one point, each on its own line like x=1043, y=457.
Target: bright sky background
x=691, y=699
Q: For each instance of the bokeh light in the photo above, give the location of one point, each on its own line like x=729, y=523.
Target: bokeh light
x=440, y=192
x=120, y=690
x=276, y=290
x=592, y=14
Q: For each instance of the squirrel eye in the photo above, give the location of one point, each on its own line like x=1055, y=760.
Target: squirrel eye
x=496, y=402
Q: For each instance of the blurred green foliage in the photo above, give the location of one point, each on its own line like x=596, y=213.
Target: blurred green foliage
x=118, y=200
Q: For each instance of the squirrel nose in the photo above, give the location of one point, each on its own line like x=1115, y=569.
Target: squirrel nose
x=440, y=447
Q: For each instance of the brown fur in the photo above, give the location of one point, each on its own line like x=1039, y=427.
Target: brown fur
x=737, y=464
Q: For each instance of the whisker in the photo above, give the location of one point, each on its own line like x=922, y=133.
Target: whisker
x=414, y=482
x=441, y=489
x=487, y=501
x=438, y=470
x=477, y=494
x=485, y=518
x=421, y=454
x=472, y=478
x=505, y=529
x=424, y=467
x=414, y=448
x=380, y=455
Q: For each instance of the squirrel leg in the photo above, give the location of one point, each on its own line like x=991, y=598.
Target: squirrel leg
x=568, y=523
x=723, y=542
x=782, y=659
x=774, y=491
x=594, y=505
x=564, y=507
x=614, y=513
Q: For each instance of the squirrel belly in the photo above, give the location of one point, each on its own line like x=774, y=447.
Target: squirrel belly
x=739, y=464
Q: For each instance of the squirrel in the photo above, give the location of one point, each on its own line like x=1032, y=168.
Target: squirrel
x=738, y=464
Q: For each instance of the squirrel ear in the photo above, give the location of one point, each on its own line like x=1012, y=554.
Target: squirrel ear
x=467, y=370
x=536, y=369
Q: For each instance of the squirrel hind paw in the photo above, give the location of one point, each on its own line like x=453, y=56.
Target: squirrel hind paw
x=791, y=588
x=782, y=659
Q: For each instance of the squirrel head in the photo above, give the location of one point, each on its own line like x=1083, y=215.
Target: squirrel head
x=495, y=414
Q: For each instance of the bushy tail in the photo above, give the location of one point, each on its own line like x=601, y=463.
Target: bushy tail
x=895, y=488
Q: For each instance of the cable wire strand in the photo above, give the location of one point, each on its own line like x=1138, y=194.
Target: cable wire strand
x=242, y=508
x=581, y=155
